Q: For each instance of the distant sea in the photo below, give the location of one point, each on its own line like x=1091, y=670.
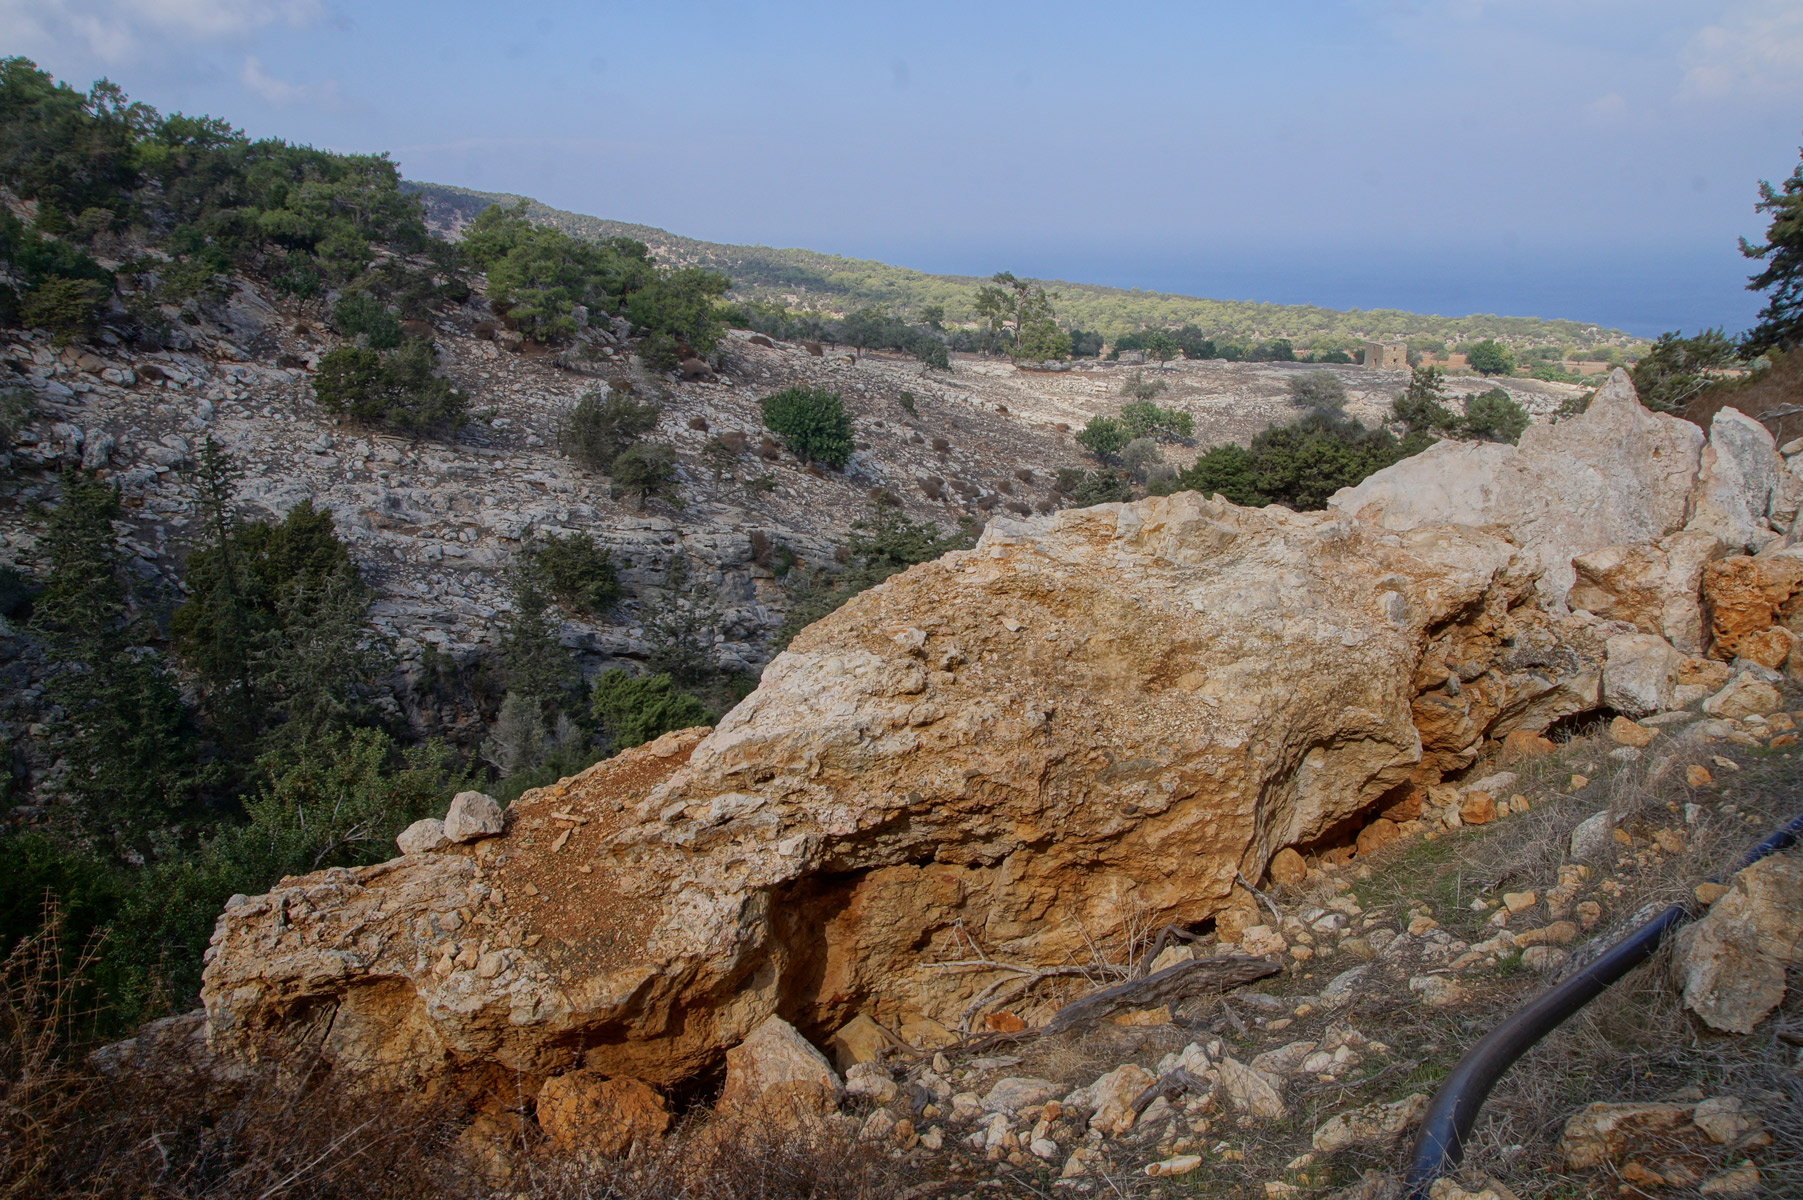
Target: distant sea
x=1645, y=291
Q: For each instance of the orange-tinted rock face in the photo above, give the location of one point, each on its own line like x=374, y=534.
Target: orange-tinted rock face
x=1744, y=596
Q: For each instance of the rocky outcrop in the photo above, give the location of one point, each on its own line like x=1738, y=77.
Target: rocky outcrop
x=1616, y=475
x=1110, y=710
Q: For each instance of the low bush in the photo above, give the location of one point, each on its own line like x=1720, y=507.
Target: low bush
x=812, y=423
x=637, y=709
x=598, y=429
x=1318, y=391
x=1143, y=419
x=645, y=471
x=1081, y=489
x=1494, y=416
x=361, y=315
x=575, y=572
x=1103, y=437
x=398, y=390
x=1299, y=466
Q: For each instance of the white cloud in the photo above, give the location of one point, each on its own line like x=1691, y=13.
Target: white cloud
x=282, y=94
x=1756, y=49
x=120, y=30
x=1608, y=108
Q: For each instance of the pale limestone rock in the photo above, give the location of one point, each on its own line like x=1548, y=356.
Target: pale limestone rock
x=1250, y=1092
x=1618, y=474
x=1739, y=484
x=422, y=837
x=1113, y=1096
x=1746, y=695
x=1601, y=1133
x=870, y=1080
x=1724, y=1119
x=1594, y=838
x=1017, y=1092
x=473, y=815
x=1655, y=586
x=1190, y=687
x=776, y=1059
x=1731, y=963
x=1640, y=673
x=1371, y=1125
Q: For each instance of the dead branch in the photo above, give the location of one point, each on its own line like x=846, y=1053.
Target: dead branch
x=1166, y=987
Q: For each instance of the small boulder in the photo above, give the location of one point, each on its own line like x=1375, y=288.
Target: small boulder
x=1520, y=745
x=1769, y=648
x=1624, y=732
x=1250, y=1092
x=1601, y=1134
x=1731, y=964
x=585, y=1112
x=1113, y=1096
x=859, y=1040
x=1019, y=1091
x=473, y=816
x=1372, y=1125
x=1745, y=696
x=1377, y=835
x=871, y=1080
x=1594, y=838
x=1287, y=866
x=1640, y=674
x=1478, y=808
x=776, y=1061
x=421, y=837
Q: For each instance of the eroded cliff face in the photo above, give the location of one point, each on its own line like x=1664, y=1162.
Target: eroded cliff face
x=1096, y=718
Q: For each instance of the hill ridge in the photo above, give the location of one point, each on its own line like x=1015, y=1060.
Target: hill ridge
x=816, y=279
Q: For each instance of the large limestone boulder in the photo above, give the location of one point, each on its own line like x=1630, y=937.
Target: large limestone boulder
x=1616, y=475
x=1106, y=714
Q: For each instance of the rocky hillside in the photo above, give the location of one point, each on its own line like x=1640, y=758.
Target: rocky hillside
x=434, y=523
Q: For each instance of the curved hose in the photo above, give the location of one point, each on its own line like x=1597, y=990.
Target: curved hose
x=1441, y=1144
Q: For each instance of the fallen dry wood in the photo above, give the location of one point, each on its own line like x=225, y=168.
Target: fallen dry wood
x=1170, y=1085
x=1169, y=986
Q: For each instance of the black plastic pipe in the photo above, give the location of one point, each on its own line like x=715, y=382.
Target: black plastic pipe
x=1441, y=1144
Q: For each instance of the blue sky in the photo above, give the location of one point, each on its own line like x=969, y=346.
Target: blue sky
x=1593, y=159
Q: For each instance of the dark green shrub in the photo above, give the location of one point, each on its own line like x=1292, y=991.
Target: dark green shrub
x=1143, y=419
x=399, y=390
x=883, y=543
x=1489, y=357
x=931, y=351
x=598, y=429
x=1671, y=374
x=361, y=314
x=682, y=308
x=636, y=710
x=645, y=470
x=1299, y=465
x=1081, y=489
x=68, y=308
x=1103, y=437
x=1421, y=408
x=813, y=424
x=576, y=572
x=1494, y=416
